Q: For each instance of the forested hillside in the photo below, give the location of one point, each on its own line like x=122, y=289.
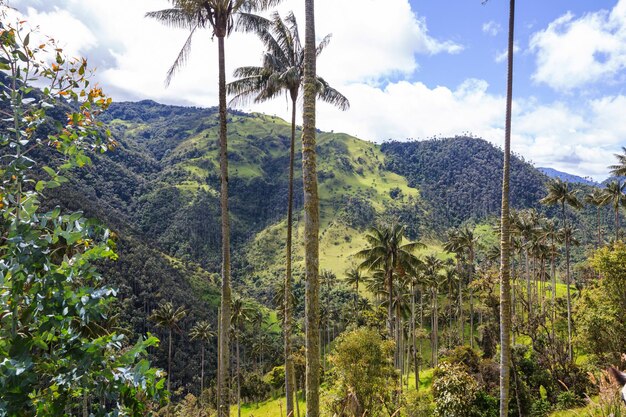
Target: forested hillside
x=158, y=191
x=461, y=177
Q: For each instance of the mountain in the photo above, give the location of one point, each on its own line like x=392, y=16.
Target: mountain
x=575, y=179
x=461, y=177
x=159, y=190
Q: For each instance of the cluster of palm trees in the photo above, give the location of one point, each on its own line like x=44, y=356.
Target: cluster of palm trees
x=287, y=67
x=243, y=317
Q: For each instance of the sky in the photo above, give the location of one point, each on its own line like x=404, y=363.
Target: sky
x=412, y=69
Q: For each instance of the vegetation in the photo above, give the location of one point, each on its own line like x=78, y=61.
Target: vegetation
x=382, y=284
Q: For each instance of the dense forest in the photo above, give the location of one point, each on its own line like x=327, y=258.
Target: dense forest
x=140, y=276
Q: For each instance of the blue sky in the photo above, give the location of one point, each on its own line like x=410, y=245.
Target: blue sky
x=412, y=69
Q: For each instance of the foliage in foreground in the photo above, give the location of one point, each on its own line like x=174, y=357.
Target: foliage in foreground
x=59, y=351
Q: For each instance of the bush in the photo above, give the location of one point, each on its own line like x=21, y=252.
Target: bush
x=454, y=391
x=363, y=373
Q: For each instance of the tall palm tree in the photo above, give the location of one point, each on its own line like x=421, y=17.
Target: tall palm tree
x=598, y=199
x=619, y=170
x=219, y=17
x=167, y=317
x=240, y=314
x=560, y=193
x=353, y=277
x=282, y=71
x=614, y=193
x=311, y=215
x=203, y=332
x=466, y=242
x=505, y=240
x=454, y=245
x=388, y=252
x=432, y=273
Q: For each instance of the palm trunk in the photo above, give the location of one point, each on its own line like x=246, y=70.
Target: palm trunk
x=461, y=320
x=238, y=379
x=505, y=238
x=169, y=361
x=224, y=340
x=311, y=216
x=471, y=291
x=415, y=365
x=202, y=371
x=570, y=353
x=435, y=330
x=288, y=278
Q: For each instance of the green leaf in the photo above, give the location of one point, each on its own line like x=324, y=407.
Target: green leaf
x=40, y=186
x=50, y=171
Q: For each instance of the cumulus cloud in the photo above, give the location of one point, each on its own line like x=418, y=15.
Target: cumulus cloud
x=371, y=49
x=503, y=55
x=575, y=52
x=492, y=28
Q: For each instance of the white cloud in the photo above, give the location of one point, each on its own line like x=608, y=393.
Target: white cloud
x=492, y=28
x=575, y=52
x=134, y=53
x=502, y=56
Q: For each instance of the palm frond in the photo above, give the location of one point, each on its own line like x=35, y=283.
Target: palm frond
x=175, y=17
x=181, y=59
x=331, y=96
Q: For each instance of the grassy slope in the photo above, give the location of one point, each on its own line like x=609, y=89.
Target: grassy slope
x=356, y=172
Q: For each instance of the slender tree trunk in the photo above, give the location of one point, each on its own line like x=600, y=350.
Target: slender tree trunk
x=617, y=221
x=598, y=223
x=570, y=352
x=169, y=361
x=505, y=238
x=202, y=371
x=238, y=379
x=288, y=278
x=435, y=330
x=415, y=365
x=471, y=291
x=224, y=339
x=311, y=216
x=461, y=320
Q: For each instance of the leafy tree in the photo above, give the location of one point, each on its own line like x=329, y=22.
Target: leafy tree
x=59, y=351
x=219, y=16
x=363, y=371
x=167, y=317
x=454, y=391
x=203, y=332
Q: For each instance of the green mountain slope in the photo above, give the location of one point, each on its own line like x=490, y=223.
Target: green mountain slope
x=158, y=192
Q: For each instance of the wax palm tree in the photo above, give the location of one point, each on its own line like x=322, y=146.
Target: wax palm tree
x=353, y=277
x=282, y=71
x=219, y=17
x=203, y=332
x=388, y=252
x=598, y=199
x=433, y=278
x=466, y=242
x=453, y=244
x=241, y=314
x=560, y=193
x=619, y=170
x=614, y=194
x=311, y=214
x=167, y=317
x=505, y=241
